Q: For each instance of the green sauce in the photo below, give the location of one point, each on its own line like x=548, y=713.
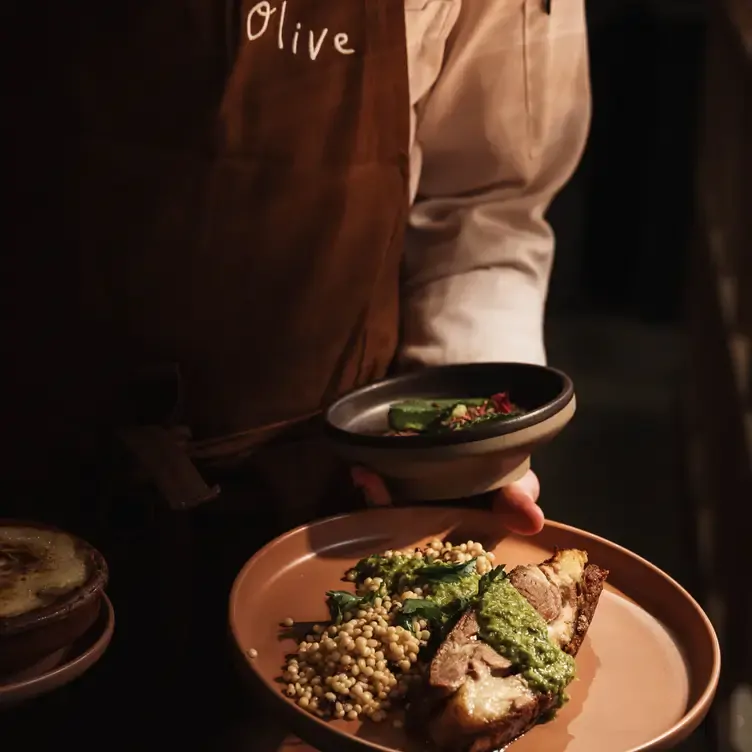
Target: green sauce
x=397, y=572
x=515, y=629
x=445, y=593
x=401, y=573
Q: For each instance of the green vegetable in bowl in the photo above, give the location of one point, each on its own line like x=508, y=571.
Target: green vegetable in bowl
x=425, y=417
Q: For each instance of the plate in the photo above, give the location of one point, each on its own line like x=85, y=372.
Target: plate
x=65, y=665
x=648, y=670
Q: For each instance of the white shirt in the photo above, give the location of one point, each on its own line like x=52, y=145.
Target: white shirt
x=500, y=115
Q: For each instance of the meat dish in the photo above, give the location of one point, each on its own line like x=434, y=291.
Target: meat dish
x=444, y=640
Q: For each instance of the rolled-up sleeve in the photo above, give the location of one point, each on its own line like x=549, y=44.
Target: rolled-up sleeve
x=499, y=134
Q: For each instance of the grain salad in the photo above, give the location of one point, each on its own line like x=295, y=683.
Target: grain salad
x=365, y=660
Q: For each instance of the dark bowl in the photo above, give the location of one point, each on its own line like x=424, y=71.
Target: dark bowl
x=29, y=637
x=461, y=463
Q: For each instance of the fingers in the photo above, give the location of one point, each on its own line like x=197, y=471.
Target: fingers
x=372, y=487
x=517, y=505
x=528, y=486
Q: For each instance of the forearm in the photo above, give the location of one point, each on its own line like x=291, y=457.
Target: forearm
x=483, y=315
x=501, y=133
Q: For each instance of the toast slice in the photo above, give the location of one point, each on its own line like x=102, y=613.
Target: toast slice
x=483, y=700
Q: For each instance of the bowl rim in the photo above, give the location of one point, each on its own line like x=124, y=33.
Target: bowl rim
x=471, y=435
x=47, y=615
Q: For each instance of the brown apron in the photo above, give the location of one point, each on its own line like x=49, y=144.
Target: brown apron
x=236, y=197
x=220, y=186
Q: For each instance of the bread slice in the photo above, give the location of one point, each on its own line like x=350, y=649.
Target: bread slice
x=480, y=702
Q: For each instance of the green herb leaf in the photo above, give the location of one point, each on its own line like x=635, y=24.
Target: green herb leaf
x=418, y=608
x=447, y=572
x=490, y=577
x=425, y=609
x=369, y=598
x=457, y=607
x=452, y=614
x=339, y=602
x=367, y=566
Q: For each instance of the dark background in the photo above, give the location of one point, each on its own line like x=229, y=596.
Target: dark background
x=616, y=305
x=616, y=308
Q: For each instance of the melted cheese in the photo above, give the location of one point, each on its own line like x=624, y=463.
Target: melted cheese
x=561, y=629
x=36, y=566
x=566, y=572
x=476, y=705
x=490, y=698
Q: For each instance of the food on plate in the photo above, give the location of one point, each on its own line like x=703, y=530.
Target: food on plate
x=37, y=568
x=535, y=618
x=467, y=653
x=365, y=661
x=418, y=416
x=50, y=588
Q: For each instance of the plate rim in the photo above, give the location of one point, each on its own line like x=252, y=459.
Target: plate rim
x=691, y=718
x=89, y=657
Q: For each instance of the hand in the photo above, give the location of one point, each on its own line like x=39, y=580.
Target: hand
x=516, y=504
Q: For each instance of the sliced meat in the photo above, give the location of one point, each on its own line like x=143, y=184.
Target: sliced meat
x=538, y=590
x=486, y=660
x=489, y=709
x=462, y=655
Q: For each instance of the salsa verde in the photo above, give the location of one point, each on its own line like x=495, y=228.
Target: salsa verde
x=517, y=631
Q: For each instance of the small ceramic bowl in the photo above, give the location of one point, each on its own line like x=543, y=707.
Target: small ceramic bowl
x=456, y=464
x=32, y=635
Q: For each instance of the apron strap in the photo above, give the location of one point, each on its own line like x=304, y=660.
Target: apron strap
x=161, y=447
x=162, y=458
x=150, y=409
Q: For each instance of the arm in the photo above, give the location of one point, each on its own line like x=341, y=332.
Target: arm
x=500, y=133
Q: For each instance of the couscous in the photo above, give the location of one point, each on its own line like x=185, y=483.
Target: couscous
x=364, y=662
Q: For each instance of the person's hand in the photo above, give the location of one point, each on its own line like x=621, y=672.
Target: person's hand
x=516, y=504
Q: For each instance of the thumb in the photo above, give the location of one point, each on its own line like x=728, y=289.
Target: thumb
x=517, y=504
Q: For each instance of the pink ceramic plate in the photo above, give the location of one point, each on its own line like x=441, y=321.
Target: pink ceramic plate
x=648, y=669
x=65, y=665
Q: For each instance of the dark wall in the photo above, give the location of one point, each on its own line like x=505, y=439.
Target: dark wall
x=622, y=222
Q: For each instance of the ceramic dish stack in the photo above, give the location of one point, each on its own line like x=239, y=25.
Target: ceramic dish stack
x=55, y=619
